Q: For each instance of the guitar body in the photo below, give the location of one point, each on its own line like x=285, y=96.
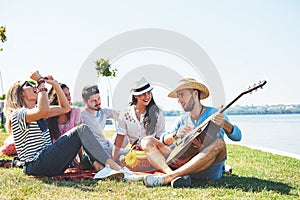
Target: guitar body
x=190, y=146
x=189, y=151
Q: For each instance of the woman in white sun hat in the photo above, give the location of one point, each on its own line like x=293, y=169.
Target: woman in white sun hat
x=142, y=118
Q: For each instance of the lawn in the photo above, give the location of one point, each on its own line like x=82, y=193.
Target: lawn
x=256, y=175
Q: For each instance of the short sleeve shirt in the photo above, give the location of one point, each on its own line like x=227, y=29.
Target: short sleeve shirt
x=30, y=141
x=129, y=125
x=97, y=122
x=75, y=118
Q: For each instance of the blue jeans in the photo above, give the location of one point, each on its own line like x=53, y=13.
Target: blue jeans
x=55, y=158
x=213, y=172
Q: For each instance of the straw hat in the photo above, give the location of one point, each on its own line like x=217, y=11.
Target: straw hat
x=190, y=83
x=142, y=86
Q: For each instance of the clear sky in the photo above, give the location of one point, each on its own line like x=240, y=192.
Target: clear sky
x=247, y=40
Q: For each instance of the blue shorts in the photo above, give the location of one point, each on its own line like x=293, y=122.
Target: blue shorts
x=214, y=172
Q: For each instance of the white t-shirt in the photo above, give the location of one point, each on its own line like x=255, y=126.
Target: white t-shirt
x=129, y=125
x=97, y=123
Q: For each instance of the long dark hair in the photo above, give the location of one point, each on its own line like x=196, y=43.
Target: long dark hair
x=150, y=119
x=52, y=121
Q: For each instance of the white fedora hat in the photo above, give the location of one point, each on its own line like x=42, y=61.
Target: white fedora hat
x=142, y=86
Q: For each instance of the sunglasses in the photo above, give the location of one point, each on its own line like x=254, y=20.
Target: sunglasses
x=26, y=83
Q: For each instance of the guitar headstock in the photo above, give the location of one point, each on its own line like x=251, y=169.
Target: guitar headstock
x=260, y=84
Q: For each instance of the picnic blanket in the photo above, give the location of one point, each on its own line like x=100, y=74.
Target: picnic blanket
x=79, y=174
x=72, y=174
x=8, y=147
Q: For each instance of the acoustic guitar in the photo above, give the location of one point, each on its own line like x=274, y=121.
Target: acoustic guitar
x=201, y=136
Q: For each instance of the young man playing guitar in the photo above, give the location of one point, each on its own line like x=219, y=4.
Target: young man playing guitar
x=207, y=162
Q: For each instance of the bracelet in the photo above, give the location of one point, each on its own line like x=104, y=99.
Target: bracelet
x=42, y=89
x=163, y=139
x=175, y=135
x=40, y=81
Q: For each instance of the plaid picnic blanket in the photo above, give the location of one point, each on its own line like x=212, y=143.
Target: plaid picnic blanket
x=72, y=174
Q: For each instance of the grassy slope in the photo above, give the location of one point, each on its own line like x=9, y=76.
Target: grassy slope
x=256, y=175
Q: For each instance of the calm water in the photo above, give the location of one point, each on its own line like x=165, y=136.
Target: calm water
x=276, y=132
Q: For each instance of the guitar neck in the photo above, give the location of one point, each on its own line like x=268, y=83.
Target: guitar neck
x=228, y=105
x=220, y=111
x=255, y=87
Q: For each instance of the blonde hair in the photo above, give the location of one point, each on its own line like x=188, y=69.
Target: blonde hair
x=13, y=101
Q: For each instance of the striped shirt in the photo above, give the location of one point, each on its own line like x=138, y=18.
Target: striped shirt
x=30, y=141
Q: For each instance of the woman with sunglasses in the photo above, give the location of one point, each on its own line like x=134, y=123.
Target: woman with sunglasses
x=26, y=107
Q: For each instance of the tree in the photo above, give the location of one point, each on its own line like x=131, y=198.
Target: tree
x=2, y=35
x=103, y=68
x=2, y=97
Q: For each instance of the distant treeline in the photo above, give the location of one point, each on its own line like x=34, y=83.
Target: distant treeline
x=243, y=110
x=253, y=110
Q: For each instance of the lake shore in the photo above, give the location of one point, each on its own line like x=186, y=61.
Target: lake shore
x=269, y=150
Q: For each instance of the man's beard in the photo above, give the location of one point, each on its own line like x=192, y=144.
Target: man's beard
x=93, y=108
x=190, y=105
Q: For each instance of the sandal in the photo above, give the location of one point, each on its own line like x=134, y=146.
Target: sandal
x=17, y=163
x=6, y=163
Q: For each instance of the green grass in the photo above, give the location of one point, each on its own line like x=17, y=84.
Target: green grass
x=256, y=175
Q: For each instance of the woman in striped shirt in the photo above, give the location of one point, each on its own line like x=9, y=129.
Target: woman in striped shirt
x=26, y=107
